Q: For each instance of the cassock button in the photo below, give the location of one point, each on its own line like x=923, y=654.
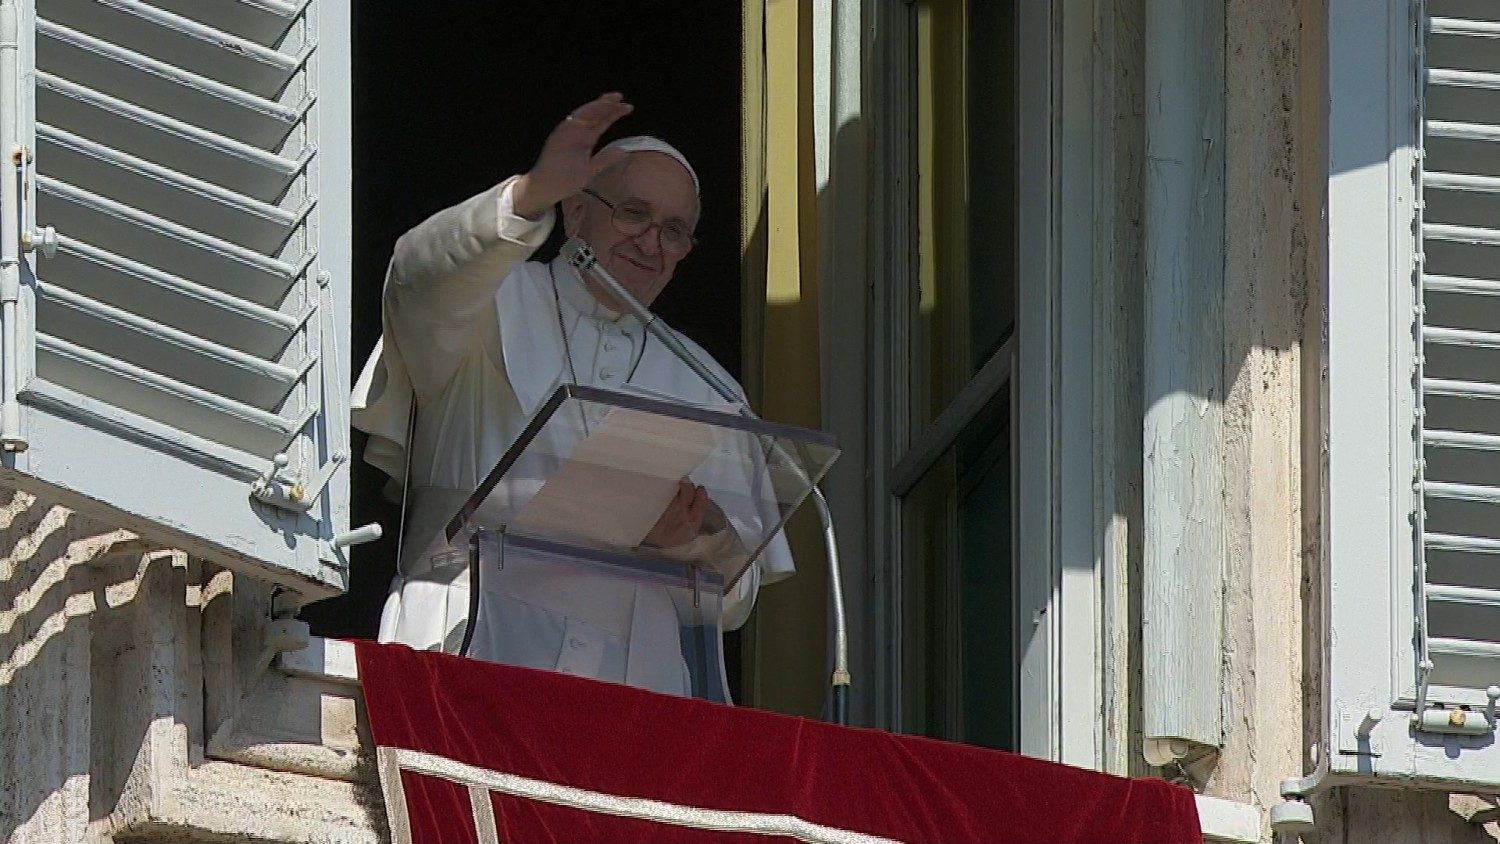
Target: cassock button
x=606, y=374
x=609, y=347
x=575, y=643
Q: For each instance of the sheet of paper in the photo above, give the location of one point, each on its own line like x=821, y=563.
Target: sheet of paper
x=619, y=479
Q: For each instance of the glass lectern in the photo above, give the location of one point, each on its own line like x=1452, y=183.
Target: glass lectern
x=572, y=510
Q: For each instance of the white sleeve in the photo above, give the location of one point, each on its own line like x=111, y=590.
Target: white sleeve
x=442, y=279
x=517, y=229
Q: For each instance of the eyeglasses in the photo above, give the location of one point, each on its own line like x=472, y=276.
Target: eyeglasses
x=633, y=220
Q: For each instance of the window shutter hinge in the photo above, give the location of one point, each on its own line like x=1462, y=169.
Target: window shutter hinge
x=16, y=239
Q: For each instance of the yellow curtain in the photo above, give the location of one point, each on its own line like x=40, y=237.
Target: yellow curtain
x=780, y=215
x=783, y=649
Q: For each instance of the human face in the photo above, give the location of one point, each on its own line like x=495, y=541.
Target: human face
x=650, y=180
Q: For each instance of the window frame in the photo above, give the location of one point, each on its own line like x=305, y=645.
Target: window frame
x=1365, y=495
x=1049, y=363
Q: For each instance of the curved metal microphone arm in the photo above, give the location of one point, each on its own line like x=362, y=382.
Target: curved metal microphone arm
x=581, y=256
x=841, y=677
x=583, y=259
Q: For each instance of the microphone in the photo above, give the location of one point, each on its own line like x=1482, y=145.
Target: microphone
x=581, y=256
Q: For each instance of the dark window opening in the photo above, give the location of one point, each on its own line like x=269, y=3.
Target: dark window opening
x=448, y=103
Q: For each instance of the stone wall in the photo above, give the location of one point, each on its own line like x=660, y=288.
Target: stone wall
x=138, y=700
x=1272, y=210
x=1274, y=274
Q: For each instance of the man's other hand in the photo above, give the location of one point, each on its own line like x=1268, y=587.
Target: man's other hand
x=562, y=168
x=682, y=519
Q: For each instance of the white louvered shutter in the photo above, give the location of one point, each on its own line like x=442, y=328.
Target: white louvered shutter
x=192, y=323
x=1414, y=391
x=1458, y=376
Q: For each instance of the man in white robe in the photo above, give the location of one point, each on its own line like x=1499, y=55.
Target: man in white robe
x=479, y=337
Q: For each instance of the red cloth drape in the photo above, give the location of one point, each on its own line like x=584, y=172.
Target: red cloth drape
x=541, y=729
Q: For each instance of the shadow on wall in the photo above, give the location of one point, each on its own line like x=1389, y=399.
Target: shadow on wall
x=67, y=618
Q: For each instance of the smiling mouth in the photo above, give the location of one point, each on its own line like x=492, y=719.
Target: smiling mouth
x=638, y=264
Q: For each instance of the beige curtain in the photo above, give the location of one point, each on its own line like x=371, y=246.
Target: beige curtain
x=779, y=218
x=783, y=644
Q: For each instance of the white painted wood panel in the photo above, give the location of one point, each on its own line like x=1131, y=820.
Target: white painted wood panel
x=194, y=320
x=1411, y=413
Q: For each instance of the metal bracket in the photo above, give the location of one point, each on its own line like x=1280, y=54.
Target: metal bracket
x=1161, y=752
x=291, y=494
x=31, y=240
x=43, y=240
x=1294, y=814
x=1356, y=730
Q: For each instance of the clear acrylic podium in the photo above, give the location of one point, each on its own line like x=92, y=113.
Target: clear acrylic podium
x=572, y=502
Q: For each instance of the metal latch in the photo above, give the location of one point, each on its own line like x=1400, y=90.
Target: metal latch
x=1456, y=721
x=293, y=494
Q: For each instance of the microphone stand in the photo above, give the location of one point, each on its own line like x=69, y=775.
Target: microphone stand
x=581, y=256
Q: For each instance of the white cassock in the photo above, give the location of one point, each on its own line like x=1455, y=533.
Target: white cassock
x=472, y=328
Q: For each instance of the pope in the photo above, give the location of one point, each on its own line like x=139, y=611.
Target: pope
x=476, y=336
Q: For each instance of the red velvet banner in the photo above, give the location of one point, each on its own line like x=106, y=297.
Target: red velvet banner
x=546, y=757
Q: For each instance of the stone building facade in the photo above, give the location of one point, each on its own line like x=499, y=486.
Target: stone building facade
x=150, y=695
